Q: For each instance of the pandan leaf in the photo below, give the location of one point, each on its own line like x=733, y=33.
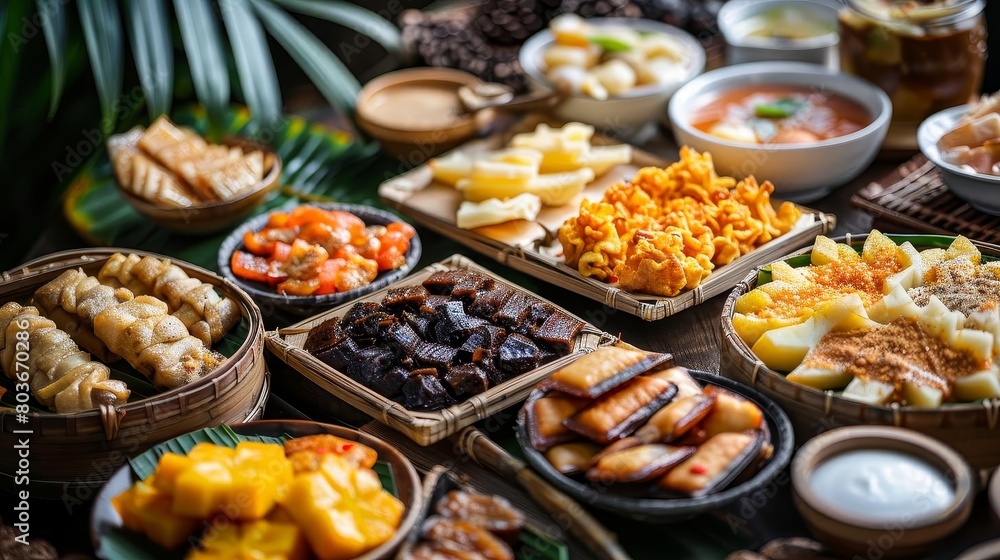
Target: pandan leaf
x=203, y=46
x=102, y=31
x=610, y=44
x=253, y=61
x=354, y=17
x=333, y=79
x=152, y=49
x=53, y=18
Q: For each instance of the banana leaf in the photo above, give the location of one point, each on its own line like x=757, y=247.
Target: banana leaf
x=320, y=163
x=118, y=543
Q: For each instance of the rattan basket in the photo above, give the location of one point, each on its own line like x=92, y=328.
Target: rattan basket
x=971, y=428
x=71, y=455
x=424, y=428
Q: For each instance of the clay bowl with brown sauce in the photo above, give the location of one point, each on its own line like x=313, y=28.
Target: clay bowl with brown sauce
x=417, y=113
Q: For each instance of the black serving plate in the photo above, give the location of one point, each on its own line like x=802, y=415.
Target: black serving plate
x=661, y=509
x=267, y=298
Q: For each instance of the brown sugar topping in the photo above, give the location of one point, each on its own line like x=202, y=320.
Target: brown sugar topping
x=831, y=281
x=960, y=285
x=894, y=354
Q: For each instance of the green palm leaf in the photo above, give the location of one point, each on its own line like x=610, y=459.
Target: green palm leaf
x=203, y=46
x=331, y=77
x=53, y=18
x=253, y=61
x=153, y=52
x=102, y=31
x=353, y=17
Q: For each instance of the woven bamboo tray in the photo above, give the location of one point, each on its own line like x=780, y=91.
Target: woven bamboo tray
x=424, y=428
x=973, y=429
x=916, y=197
x=73, y=454
x=532, y=247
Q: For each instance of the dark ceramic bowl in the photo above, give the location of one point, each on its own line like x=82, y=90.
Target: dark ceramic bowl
x=267, y=298
x=667, y=509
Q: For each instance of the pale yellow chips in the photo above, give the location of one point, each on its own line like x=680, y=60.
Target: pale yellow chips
x=666, y=230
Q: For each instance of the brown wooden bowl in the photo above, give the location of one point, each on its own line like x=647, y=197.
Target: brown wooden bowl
x=214, y=216
x=912, y=534
x=426, y=133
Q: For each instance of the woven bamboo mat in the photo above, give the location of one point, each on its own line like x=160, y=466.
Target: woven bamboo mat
x=916, y=197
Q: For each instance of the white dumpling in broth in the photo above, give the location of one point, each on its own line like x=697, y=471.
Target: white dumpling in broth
x=564, y=55
x=616, y=76
x=661, y=71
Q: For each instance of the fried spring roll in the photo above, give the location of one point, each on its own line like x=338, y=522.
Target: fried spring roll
x=686, y=385
x=544, y=417
x=638, y=464
x=618, y=413
x=573, y=457
x=716, y=462
x=675, y=419
x=602, y=370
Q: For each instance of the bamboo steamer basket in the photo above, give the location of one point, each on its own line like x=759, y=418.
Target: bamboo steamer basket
x=72, y=455
x=973, y=429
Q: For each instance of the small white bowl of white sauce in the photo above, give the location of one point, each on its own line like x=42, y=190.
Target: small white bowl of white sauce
x=880, y=490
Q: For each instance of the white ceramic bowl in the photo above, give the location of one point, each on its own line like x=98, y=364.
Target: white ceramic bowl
x=982, y=192
x=800, y=172
x=621, y=115
x=740, y=48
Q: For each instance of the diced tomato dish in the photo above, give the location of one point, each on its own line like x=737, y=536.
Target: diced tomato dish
x=313, y=251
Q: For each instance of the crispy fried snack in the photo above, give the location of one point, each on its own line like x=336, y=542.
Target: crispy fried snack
x=667, y=229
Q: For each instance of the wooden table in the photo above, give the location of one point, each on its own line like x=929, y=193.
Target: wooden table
x=692, y=336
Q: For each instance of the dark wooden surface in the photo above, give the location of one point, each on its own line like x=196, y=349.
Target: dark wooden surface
x=692, y=336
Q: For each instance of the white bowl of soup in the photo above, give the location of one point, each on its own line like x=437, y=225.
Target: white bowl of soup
x=806, y=129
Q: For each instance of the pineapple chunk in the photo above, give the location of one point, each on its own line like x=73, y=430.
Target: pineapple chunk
x=931, y=257
x=783, y=272
x=922, y=396
x=847, y=254
x=783, y=349
x=962, y=247
x=893, y=305
x=868, y=391
x=753, y=301
x=978, y=343
x=824, y=251
x=751, y=328
x=980, y=385
x=819, y=377
x=877, y=247
x=910, y=276
x=450, y=168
